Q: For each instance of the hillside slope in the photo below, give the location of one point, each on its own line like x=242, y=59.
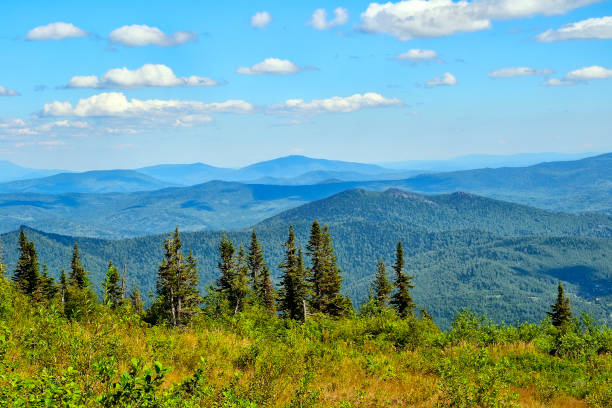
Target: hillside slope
x=500, y=258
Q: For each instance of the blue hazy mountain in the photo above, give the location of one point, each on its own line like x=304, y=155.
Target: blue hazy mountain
x=99, y=181
x=10, y=171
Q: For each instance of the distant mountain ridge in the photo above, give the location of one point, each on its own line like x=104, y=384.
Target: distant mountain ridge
x=11, y=172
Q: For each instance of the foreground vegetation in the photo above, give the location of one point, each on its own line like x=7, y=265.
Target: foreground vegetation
x=244, y=344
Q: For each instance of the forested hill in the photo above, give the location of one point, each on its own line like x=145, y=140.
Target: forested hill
x=497, y=258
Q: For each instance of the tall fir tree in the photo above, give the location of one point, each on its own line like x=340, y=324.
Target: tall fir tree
x=227, y=271
x=47, y=287
x=561, y=311
x=177, y=283
x=401, y=299
x=257, y=264
x=63, y=286
x=324, y=273
x=381, y=286
x=113, y=289
x=78, y=275
x=27, y=273
x=293, y=292
x=240, y=285
x=267, y=294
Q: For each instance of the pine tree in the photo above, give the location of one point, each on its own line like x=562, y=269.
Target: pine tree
x=401, y=299
x=177, y=283
x=226, y=266
x=47, y=287
x=327, y=281
x=381, y=287
x=314, y=251
x=256, y=263
x=561, y=311
x=78, y=275
x=293, y=290
x=27, y=274
x=136, y=300
x=267, y=295
x=113, y=290
x=240, y=285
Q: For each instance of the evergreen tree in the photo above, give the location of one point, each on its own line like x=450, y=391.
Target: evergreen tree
x=47, y=287
x=2, y=267
x=381, y=287
x=293, y=290
x=267, y=295
x=561, y=311
x=324, y=273
x=136, y=300
x=177, y=283
x=63, y=286
x=401, y=299
x=240, y=285
x=27, y=274
x=226, y=266
x=256, y=263
x=78, y=275
x=113, y=290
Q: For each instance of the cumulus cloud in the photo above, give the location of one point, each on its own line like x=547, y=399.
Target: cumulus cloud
x=417, y=55
x=338, y=104
x=319, y=18
x=518, y=72
x=272, y=66
x=63, y=124
x=149, y=75
x=583, y=74
x=410, y=19
x=141, y=35
x=116, y=104
x=8, y=92
x=261, y=19
x=447, y=79
x=588, y=73
x=55, y=31
x=592, y=28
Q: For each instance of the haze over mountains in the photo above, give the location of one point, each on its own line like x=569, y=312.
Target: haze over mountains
x=93, y=210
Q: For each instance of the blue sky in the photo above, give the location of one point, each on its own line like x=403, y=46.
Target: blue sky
x=116, y=84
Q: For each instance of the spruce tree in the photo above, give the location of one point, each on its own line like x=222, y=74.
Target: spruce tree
x=2, y=267
x=324, y=274
x=561, y=311
x=401, y=299
x=113, y=290
x=63, y=286
x=257, y=263
x=267, y=295
x=78, y=274
x=177, y=283
x=226, y=266
x=27, y=274
x=47, y=287
x=381, y=287
x=240, y=285
x=293, y=290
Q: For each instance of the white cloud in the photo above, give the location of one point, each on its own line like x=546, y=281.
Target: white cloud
x=417, y=55
x=116, y=104
x=55, y=31
x=273, y=66
x=557, y=82
x=192, y=120
x=587, y=73
x=261, y=19
x=410, y=19
x=592, y=28
x=8, y=92
x=338, y=104
x=447, y=79
x=320, y=22
x=140, y=35
x=518, y=72
x=63, y=124
x=149, y=75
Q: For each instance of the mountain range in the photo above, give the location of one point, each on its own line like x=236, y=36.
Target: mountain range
x=574, y=186
x=463, y=250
